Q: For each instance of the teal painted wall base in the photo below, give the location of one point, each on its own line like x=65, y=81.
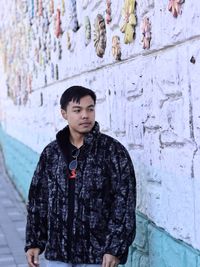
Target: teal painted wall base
x=20, y=162
x=153, y=247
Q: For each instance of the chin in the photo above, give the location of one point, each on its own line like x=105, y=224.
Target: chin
x=86, y=130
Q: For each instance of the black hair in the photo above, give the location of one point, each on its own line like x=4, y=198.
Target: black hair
x=75, y=93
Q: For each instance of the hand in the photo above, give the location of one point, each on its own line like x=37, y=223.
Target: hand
x=32, y=256
x=110, y=261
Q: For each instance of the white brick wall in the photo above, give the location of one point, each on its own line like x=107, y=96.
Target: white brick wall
x=149, y=101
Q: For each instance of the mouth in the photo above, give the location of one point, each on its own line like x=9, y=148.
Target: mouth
x=85, y=124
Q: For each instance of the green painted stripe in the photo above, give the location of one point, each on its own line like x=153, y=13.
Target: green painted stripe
x=20, y=162
x=154, y=247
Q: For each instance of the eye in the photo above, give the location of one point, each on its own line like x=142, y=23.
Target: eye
x=91, y=109
x=76, y=110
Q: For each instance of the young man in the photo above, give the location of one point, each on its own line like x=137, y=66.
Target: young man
x=81, y=205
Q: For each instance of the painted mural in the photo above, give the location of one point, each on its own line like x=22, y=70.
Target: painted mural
x=39, y=38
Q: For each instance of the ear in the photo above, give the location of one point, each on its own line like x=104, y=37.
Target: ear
x=64, y=114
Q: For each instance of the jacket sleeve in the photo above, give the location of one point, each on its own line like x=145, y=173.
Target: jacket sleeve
x=122, y=222
x=36, y=228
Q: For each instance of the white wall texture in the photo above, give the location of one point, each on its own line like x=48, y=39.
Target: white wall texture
x=149, y=100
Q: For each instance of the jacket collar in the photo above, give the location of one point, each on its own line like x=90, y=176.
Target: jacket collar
x=62, y=138
x=89, y=137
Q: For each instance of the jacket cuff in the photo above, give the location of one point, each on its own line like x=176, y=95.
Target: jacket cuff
x=40, y=246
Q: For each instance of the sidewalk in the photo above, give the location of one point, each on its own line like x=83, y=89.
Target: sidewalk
x=12, y=223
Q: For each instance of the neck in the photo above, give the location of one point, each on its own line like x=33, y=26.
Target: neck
x=76, y=139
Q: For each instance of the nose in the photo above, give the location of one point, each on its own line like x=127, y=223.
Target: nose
x=84, y=114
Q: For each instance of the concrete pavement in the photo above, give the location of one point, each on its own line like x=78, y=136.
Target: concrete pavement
x=12, y=223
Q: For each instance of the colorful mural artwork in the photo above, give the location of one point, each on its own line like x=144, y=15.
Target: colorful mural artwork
x=87, y=30
x=57, y=22
x=146, y=32
x=128, y=28
x=108, y=11
x=174, y=6
x=116, y=48
x=100, y=35
x=41, y=35
x=73, y=16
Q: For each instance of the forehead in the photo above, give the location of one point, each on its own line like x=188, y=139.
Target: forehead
x=84, y=102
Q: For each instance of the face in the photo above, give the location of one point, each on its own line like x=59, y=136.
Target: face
x=80, y=116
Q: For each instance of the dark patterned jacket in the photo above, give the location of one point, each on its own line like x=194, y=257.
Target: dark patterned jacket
x=104, y=202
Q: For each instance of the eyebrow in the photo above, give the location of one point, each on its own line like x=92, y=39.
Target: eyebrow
x=90, y=106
